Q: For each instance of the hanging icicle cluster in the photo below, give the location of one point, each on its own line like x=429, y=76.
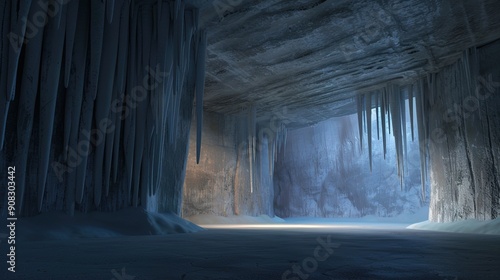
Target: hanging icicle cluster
x=126, y=66
x=390, y=107
x=390, y=104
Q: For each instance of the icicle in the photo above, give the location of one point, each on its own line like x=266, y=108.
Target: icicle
x=60, y=14
x=4, y=63
x=368, y=113
x=383, y=124
x=177, y=9
x=102, y=108
x=71, y=21
x=270, y=153
x=129, y=127
x=161, y=15
x=18, y=27
x=388, y=107
x=49, y=82
x=121, y=68
x=142, y=114
x=120, y=82
x=4, y=110
x=110, y=9
x=251, y=141
x=377, y=112
x=410, y=105
x=359, y=102
x=75, y=93
x=97, y=19
x=395, y=103
x=25, y=116
x=254, y=131
x=200, y=84
x=422, y=136
x=74, y=99
x=402, y=102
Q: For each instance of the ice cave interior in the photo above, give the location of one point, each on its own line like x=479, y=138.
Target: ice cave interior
x=250, y=139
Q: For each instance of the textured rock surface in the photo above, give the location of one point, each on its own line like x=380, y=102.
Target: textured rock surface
x=220, y=183
x=314, y=56
x=464, y=142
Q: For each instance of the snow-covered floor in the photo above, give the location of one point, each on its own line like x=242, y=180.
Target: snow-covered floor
x=468, y=226
x=287, y=251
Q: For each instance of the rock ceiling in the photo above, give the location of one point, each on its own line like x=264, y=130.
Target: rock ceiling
x=306, y=60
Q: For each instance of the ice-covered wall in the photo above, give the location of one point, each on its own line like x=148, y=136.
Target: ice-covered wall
x=463, y=122
x=322, y=172
x=96, y=102
x=228, y=181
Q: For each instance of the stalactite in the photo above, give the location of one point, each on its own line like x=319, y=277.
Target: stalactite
x=4, y=60
x=115, y=53
x=200, y=84
x=270, y=154
x=383, y=125
x=388, y=108
x=120, y=84
x=132, y=81
x=103, y=105
x=49, y=82
x=18, y=27
x=402, y=101
x=377, y=113
x=422, y=136
x=74, y=98
x=60, y=16
x=410, y=105
x=27, y=98
x=110, y=9
x=121, y=68
x=359, y=102
x=71, y=21
x=395, y=111
x=70, y=31
x=251, y=142
x=97, y=19
x=142, y=110
x=368, y=113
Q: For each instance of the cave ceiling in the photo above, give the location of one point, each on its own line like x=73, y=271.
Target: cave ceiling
x=305, y=61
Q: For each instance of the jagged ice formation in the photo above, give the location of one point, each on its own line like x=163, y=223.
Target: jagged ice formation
x=96, y=99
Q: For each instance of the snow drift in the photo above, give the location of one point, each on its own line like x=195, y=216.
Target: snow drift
x=130, y=221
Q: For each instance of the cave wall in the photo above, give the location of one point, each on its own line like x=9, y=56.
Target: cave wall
x=322, y=172
x=220, y=183
x=96, y=102
x=464, y=137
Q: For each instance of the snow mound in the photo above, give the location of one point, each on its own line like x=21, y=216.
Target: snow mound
x=467, y=226
x=131, y=221
x=209, y=219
